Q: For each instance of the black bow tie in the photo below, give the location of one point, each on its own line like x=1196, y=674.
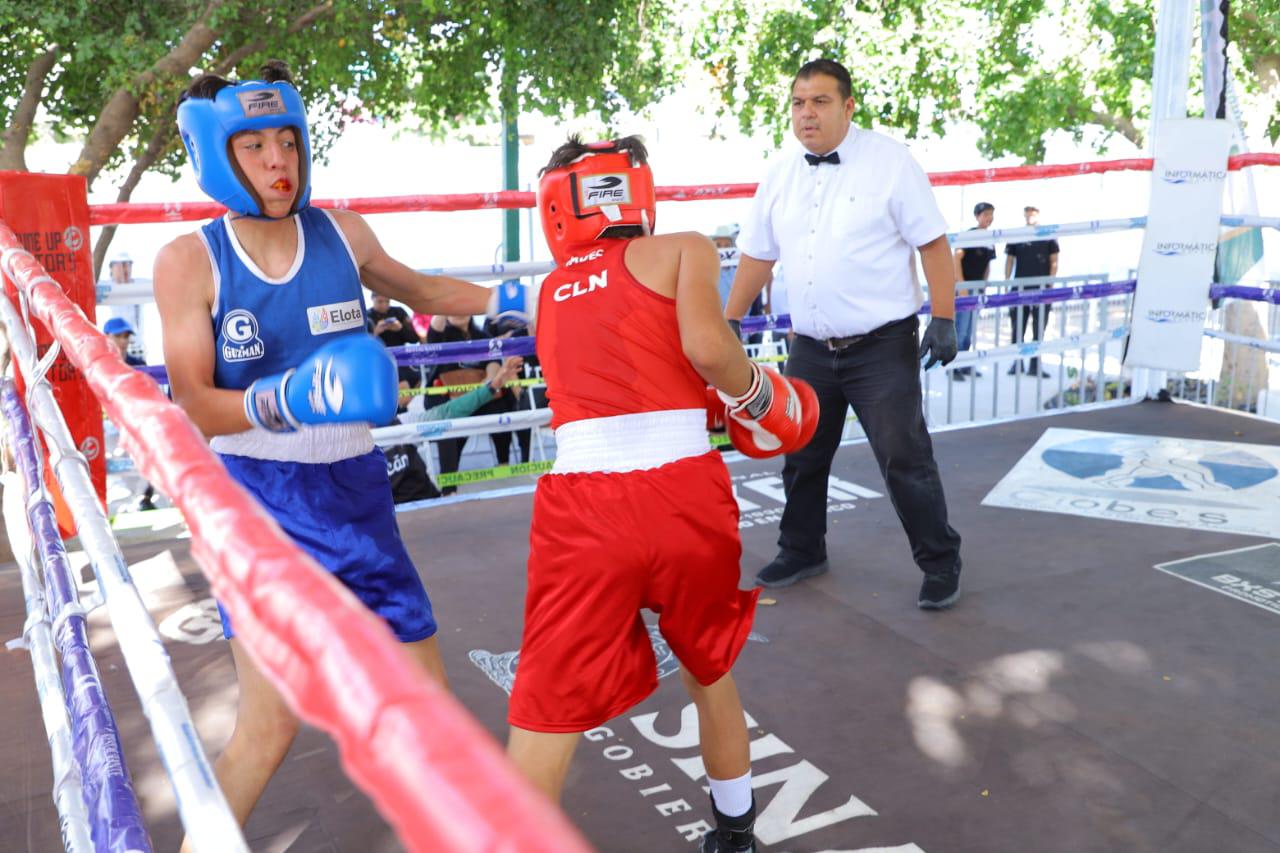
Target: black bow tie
x=813, y=159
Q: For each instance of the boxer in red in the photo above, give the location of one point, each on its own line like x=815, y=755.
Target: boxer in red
x=638, y=511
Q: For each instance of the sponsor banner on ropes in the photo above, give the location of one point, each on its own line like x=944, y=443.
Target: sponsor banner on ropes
x=1172, y=482
x=1180, y=244
x=1251, y=575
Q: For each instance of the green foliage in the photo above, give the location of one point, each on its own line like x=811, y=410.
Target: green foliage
x=1018, y=69
x=446, y=62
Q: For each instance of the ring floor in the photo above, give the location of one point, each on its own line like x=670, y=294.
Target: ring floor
x=1075, y=699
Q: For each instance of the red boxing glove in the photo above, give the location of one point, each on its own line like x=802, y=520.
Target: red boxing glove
x=776, y=415
x=715, y=410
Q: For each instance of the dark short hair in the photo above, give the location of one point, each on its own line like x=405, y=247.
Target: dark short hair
x=207, y=86
x=1031, y=207
x=831, y=68
x=574, y=148
x=982, y=207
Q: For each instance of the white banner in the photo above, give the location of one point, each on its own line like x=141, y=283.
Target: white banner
x=1180, y=244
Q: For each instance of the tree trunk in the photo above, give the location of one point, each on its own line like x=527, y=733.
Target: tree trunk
x=144, y=161
x=13, y=154
x=117, y=117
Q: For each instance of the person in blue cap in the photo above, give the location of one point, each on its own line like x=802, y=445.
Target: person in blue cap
x=120, y=332
x=266, y=349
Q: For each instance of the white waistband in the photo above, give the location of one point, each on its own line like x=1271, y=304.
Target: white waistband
x=630, y=442
x=316, y=444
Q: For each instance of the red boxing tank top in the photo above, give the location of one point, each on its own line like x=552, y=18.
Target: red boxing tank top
x=608, y=345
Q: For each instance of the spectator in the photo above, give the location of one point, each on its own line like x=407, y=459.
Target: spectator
x=120, y=268
x=846, y=215
x=1032, y=259
x=391, y=325
x=725, y=239
x=452, y=329
x=973, y=263
x=410, y=480
x=120, y=332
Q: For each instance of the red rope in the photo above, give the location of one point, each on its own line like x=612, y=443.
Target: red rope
x=188, y=211
x=429, y=767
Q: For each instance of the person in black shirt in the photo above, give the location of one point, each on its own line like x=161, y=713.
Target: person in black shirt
x=1031, y=259
x=463, y=328
x=392, y=325
x=973, y=263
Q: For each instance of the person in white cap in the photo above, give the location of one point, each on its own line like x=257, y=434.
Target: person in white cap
x=121, y=268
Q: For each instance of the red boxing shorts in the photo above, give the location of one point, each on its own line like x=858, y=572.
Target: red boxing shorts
x=605, y=545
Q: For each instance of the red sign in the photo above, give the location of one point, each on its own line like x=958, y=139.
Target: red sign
x=50, y=215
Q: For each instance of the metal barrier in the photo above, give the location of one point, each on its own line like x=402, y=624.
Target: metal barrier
x=1240, y=361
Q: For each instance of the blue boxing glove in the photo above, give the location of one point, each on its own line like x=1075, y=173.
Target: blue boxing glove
x=512, y=300
x=351, y=379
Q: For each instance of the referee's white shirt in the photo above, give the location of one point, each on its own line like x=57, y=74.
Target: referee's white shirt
x=846, y=233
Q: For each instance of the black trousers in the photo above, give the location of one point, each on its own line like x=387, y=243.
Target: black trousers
x=450, y=449
x=880, y=377
x=1039, y=316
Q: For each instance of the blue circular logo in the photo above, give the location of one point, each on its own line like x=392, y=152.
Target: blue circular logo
x=1163, y=464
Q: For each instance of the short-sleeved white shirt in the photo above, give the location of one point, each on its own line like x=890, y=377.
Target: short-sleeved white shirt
x=846, y=233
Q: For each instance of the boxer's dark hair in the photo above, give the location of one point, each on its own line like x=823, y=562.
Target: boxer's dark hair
x=207, y=86
x=831, y=68
x=575, y=148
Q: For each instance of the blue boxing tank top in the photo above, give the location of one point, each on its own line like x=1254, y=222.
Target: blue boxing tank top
x=264, y=326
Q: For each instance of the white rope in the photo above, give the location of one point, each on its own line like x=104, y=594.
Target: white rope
x=202, y=807
x=37, y=634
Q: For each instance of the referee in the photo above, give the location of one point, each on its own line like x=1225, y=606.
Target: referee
x=845, y=216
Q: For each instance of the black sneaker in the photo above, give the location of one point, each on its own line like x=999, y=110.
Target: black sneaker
x=785, y=572
x=732, y=834
x=940, y=591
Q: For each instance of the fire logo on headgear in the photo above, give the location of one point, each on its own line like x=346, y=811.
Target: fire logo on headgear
x=600, y=190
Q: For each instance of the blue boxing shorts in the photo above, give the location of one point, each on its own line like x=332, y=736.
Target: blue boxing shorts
x=342, y=515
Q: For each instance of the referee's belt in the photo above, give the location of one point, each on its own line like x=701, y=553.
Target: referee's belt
x=837, y=344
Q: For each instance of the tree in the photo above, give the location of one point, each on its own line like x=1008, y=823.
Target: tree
x=109, y=72
x=1018, y=69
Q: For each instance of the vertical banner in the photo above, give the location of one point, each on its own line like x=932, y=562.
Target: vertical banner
x=50, y=215
x=1181, y=241
x=1214, y=15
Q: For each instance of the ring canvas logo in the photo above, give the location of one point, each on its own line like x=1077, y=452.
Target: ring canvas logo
x=240, y=336
x=1172, y=482
x=599, y=190
x=335, y=317
x=656, y=755
x=1251, y=575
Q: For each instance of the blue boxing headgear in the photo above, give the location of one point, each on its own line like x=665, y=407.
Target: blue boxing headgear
x=207, y=125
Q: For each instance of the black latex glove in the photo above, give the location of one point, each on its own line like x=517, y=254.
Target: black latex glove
x=939, y=343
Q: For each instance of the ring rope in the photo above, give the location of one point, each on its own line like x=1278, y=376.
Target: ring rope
x=430, y=768
x=116, y=822
x=201, y=806
x=125, y=213
x=37, y=635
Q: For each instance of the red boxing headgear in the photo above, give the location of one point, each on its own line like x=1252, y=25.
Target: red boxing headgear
x=603, y=190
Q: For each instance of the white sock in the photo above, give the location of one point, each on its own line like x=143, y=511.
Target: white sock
x=732, y=796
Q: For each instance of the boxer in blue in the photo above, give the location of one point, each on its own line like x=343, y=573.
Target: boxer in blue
x=266, y=349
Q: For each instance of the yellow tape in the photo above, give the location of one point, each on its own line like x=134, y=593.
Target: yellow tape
x=501, y=472
x=459, y=389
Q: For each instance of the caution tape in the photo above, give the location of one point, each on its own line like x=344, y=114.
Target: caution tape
x=499, y=472
x=462, y=389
